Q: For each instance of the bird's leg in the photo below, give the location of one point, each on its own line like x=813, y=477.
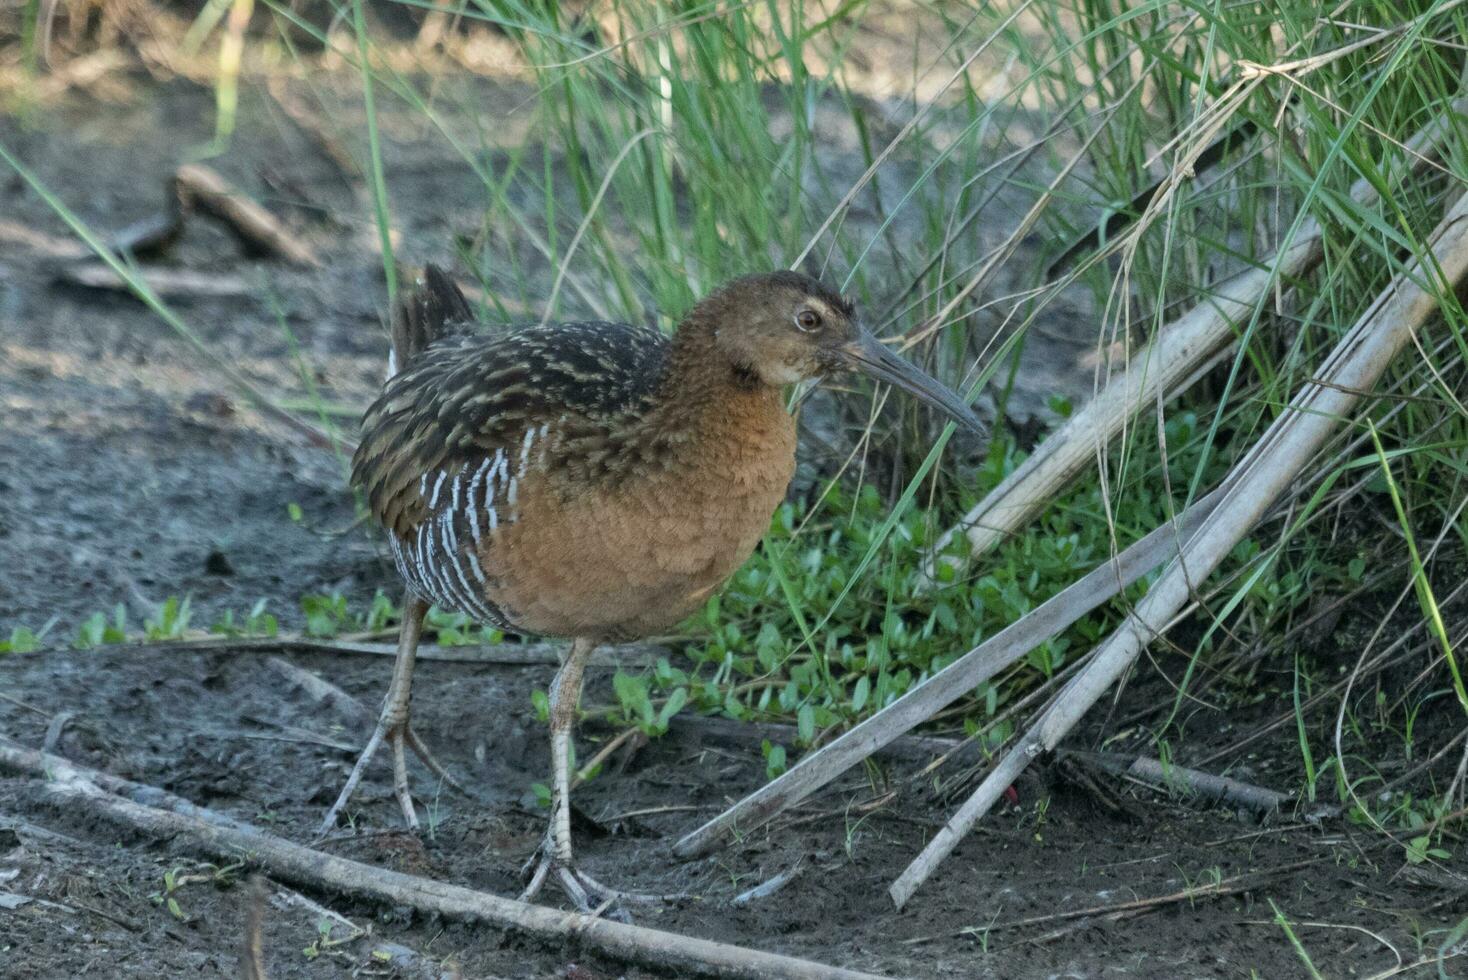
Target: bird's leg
x=393, y=726
x=555, y=855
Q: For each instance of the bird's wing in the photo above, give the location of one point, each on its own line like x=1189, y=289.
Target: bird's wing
x=466, y=398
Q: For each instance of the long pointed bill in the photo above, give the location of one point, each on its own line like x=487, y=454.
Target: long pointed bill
x=866, y=355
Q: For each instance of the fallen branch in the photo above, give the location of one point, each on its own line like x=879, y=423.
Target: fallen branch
x=202, y=189
x=1180, y=779
x=320, y=690
x=1162, y=369
x=173, y=283
x=918, y=749
x=948, y=685
x=498, y=654
x=1268, y=469
x=765, y=889
x=221, y=836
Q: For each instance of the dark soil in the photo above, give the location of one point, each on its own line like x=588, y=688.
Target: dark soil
x=130, y=473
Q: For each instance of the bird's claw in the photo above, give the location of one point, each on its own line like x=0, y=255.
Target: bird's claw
x=590, y=896
x=399, y=736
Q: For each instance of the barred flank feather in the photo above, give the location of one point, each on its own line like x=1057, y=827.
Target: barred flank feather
x=464, y=417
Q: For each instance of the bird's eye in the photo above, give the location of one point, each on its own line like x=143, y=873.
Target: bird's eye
x=808, y=320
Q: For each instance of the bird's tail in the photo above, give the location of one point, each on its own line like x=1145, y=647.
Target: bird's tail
x=432, y=308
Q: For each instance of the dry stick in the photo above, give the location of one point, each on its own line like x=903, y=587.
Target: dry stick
x=919, y=749
x=319, y=689
x=956, y=680
x=219, y=835
x=1220, y=789
x=498, y=654
x=622, y=738
x=1265, y=473
x=252, y=951
x=173, y=283
x=200, y=188
x=1162, y=369
x=220, y=365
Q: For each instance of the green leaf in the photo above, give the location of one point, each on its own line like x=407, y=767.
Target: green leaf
x=542, y=794
x=805, y=723
x=671, y=707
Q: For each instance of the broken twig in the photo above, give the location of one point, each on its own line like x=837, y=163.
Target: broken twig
x=948, y=685
x=202, y=189
x=496, y=654
x=1161, y=370
x=219, y=835
x=174, y=283
x=1268, y=469
x=1247, y=881
x=1219, y=789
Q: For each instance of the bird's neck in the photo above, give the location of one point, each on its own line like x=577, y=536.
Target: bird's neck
x=711, y=426
x=707, y=396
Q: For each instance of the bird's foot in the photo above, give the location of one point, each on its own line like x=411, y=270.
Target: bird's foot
x=590, y=896
x=399, y=735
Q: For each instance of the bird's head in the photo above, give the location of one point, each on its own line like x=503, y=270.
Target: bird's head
x=785, y=327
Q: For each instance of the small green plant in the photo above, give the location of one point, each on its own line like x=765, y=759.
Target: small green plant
x=1299, y=947
x=327, y=615
x=175, y=879
x=325, y=942
x=774, y=759
x=455, y=629
x=172, y=622
x=25, y=640
x=97, y=630
x=258, y=622
x=542, y=795
x=166, y=897
x=853, y=834
x=637, y=707
x=1419, y=849
x=382, y=614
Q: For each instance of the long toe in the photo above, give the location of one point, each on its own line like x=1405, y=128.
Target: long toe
x=600, y=893
x=398, y=738
x=590, y=896
x=400, y=779
x=328, y=822
x=434, y=766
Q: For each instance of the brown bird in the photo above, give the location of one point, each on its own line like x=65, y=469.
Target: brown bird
x=592, y=481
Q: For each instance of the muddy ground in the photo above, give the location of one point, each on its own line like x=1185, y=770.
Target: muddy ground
x=129, y=473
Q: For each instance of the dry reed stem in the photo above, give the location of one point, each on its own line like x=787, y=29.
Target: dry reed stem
x=203, y=189
x=1161, y=370
x=163, y=815
x=956, y=680
x=496, y=654
x=1265, y=473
